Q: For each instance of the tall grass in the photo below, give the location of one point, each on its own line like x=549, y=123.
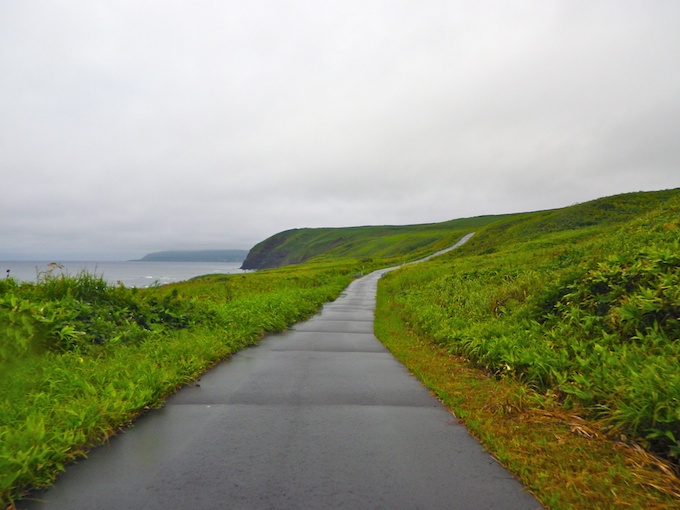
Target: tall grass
x=81, y=358
x=589, y=315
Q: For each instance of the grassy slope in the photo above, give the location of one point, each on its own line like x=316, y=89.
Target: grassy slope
x=387, y=243
x=96, y=356
x=409, y=242
x=573, y=315
x=566, y=461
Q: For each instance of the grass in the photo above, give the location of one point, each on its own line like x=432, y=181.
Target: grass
x=94, y=356
x=590, y=315
x=566, y=461
x=580, y=322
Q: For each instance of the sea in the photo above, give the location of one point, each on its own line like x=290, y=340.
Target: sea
x=132, y=273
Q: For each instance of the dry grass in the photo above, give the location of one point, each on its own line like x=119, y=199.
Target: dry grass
x=566, y=461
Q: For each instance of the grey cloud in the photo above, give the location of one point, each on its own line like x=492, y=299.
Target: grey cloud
x=128, y=127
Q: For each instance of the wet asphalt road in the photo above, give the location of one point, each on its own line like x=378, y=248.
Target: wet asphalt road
x=320, y=416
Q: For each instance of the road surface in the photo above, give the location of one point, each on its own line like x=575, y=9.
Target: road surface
x=320, y=416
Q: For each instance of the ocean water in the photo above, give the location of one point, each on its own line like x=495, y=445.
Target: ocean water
x=129, y=273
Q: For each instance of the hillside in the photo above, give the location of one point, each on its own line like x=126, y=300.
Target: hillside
x=581, y=304
x=585, y=217
x=398, y=243
x=409, y=242
x=196, y=256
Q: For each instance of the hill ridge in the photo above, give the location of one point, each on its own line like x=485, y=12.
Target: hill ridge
x=408, y=242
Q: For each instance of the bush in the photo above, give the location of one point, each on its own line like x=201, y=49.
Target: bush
x=591, y=315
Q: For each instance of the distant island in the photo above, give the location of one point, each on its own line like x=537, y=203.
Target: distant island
x=196, y=256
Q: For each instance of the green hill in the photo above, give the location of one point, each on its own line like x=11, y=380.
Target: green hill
x=409, y=242
x=581, y=304
x=396, y=243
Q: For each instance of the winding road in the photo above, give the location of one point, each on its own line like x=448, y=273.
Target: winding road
x=320, y=416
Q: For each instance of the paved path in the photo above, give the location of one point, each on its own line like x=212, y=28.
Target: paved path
x=320, y=416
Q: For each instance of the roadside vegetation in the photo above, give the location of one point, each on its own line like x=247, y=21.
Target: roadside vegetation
x=80, y=358
x=581, y=307
x=554, y=335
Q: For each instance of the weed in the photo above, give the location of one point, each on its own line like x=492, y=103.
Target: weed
x=588, y=311
x=81, y=358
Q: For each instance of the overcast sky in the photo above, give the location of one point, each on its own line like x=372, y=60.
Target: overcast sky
x=135, y=126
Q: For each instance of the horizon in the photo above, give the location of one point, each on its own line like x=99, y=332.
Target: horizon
x=93, y=258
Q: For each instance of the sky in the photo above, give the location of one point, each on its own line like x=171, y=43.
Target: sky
x=133, y=126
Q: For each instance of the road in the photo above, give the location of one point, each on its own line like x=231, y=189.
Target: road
x=320, y=416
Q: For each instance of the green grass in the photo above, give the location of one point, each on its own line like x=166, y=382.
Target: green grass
x=585, y=313
x=80, y=358
x=566, y=461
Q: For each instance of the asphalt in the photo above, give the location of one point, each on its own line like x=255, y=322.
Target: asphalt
x=320, y=416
